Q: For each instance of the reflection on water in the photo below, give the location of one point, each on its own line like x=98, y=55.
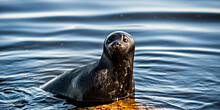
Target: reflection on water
x=176, y=59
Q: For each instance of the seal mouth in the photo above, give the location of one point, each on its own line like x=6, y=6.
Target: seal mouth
x=116, y=50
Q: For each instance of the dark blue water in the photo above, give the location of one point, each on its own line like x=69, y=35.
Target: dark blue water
x=177, y=57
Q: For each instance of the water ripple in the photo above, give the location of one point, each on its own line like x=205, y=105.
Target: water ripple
x=176, y=63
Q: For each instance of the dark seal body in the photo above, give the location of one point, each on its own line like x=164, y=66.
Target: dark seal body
x=110, y=78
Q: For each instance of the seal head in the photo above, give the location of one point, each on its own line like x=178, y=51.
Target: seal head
x=118, y=47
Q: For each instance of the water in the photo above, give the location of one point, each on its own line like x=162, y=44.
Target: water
x=177, y=57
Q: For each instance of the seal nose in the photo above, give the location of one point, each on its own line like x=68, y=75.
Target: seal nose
x=118, y=43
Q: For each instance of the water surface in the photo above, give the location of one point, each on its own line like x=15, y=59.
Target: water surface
x=176, y=59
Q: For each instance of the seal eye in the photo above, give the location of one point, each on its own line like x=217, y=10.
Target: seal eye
x=125, y=40
x=109, y=40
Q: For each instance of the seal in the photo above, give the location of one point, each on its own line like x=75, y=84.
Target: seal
x=110, y=78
